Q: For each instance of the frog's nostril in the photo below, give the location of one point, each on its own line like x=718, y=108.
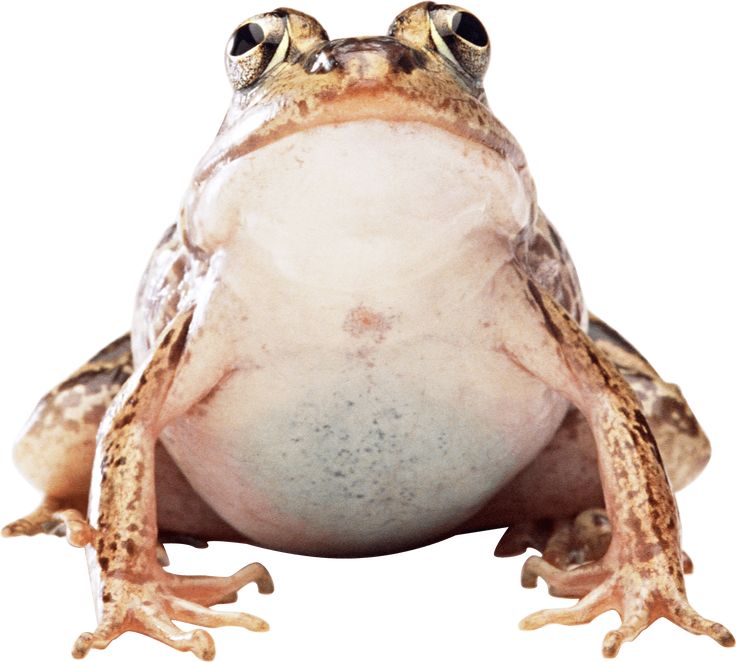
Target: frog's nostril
x=320, y=61
x=340, y=53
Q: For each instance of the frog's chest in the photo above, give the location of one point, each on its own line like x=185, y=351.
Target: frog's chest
x=362, y=433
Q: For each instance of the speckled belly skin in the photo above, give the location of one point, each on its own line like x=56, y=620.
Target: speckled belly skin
x=388, y=452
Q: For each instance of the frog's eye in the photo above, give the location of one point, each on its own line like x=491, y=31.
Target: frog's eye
x=453, y=32
x=264, y=41
x=256, y=46
x=461, y=38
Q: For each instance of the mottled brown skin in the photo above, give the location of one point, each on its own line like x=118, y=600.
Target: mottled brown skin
x=631, y=555
x=58, y=444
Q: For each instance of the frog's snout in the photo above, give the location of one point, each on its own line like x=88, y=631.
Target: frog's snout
x=366, y=54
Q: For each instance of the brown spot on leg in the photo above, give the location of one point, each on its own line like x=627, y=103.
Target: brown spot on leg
x=178, y=347
x=551, y=326
x=124, y=421
x=167, y=339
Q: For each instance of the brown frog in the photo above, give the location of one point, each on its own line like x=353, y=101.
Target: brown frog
x=363, y=336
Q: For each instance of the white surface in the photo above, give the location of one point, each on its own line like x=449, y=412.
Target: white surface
x=625, y=112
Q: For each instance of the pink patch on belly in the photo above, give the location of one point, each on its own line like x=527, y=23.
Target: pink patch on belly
x=362, y=321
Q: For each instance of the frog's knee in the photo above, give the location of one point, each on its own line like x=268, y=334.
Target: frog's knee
x=54, y=452
x=684, y=446
x=56, y=448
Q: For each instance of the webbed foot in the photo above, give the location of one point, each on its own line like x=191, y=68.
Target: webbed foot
x=641, y=592
x=564, y=543
x=148, y=607
x=41, y=520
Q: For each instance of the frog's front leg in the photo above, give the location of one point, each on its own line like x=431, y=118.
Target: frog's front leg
x=641, y=573
x=133, y=591
x=571, y=528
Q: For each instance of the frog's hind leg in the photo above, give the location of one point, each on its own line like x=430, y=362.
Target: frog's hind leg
x=583, y=535
x=56, y=448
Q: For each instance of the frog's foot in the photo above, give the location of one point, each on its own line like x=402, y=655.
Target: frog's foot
x=641, y=592
x=564, y=543
x=148, y=607
x=41, y=520
x=210, y=591
x=563, y=583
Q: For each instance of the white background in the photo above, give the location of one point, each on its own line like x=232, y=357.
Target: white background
x=626, y=113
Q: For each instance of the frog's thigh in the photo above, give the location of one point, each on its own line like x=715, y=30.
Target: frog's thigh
x=542, y=502
x=684, y=446
x=56, y=448
x=641, y=574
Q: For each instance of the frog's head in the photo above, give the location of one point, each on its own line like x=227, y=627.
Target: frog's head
x=322, y=130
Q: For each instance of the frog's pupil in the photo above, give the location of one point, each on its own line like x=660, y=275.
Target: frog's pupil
x=468, y=27
x=246, y=37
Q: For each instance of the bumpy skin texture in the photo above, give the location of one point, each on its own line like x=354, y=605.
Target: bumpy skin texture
x=179, y=365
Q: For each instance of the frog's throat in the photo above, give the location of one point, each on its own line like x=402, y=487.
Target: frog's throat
x=359, y=203
x=255, y=126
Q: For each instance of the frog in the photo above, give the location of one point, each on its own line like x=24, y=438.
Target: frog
x=361, y=336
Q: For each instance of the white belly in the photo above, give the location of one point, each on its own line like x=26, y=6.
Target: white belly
x=366, y=407
x=381, y=455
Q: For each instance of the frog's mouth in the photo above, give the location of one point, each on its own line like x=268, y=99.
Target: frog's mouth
x=359, y=203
